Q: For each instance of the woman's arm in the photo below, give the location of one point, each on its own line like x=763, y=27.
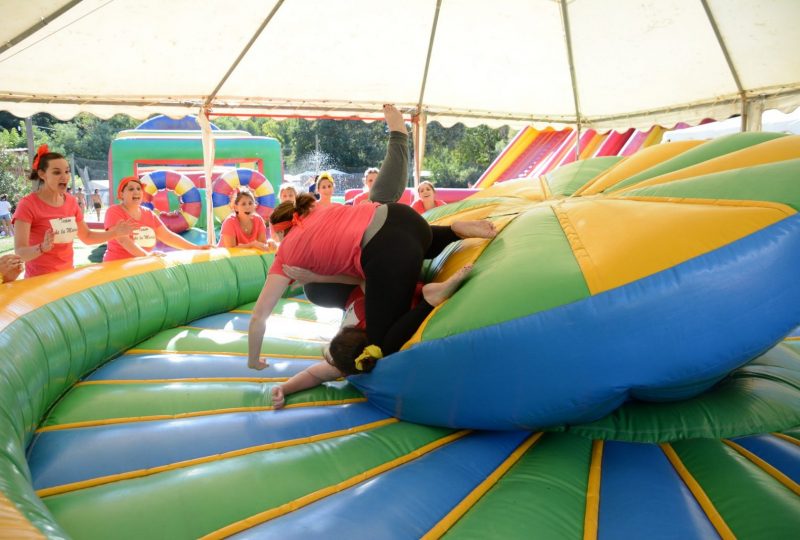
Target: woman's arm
x=172, y=239
x=273, y=289
x=131, y=247
x=227, y=241
x=22, y=238
x=308, y=378
x=88, y=236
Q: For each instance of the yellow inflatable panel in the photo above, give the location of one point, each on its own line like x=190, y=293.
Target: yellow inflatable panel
x=772, y=151
x=525, y=188
x=642, y=160
x=649, y=238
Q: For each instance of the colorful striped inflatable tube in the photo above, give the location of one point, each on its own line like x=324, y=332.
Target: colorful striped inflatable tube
x=230, y=182
x=191, y=205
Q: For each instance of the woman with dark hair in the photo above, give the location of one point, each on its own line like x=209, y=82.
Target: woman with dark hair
x=383, y=245
x=48, y=220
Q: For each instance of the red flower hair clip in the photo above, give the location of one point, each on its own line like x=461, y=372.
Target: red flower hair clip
x=43, y=149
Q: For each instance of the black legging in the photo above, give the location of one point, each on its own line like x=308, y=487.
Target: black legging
x=392, y=261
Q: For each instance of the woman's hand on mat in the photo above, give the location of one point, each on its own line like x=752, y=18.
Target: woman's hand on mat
x=278, y=399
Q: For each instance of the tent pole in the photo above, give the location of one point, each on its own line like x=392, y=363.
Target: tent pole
x=39, y=25
x=729, y=60
x=209, y=152
x=428, y=56
x=420, y=134
x=250, y=43
x=570, y=57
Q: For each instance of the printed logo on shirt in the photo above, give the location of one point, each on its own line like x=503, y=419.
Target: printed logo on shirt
x=144, y=237
x=64, y=229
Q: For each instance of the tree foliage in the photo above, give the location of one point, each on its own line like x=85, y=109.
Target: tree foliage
x=455, y=157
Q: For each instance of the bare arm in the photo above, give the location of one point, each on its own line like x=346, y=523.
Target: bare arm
x=273, y=289
x=308, y=378
x=177, y=241
x=22, y=239
x=131, y=247
x=88, y=236
x=227, y=240
x=311, y=377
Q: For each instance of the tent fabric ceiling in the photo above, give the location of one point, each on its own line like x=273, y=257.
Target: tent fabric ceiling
x=636, y=62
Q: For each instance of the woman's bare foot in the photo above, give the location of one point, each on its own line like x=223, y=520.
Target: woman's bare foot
x=436, y=293
x=482, y=228
x=259, y=364
x=394, y=119
x=278, y=399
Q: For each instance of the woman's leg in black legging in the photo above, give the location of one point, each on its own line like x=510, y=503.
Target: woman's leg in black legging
x=402, y=330
x=392, y=261
x=393, y=175
x=441, y=238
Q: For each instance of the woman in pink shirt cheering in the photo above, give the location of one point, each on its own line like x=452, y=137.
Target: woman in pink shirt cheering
x=244, y=228
x=48, y=220
x=147, y=227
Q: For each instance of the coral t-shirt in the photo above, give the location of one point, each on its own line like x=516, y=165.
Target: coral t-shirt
x=362, y=197
x=327, y=241
x=420, y=207
x=62, y=220
x=232, y=227
x=144, y=235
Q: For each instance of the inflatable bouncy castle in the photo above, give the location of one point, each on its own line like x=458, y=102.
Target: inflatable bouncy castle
x=620, y=363
x=168, y=157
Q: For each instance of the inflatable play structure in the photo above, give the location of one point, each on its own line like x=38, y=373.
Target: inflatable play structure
x=168, y=156
x=619, y=364
x=533, y=153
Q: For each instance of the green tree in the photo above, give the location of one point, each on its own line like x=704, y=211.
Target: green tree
x=13, y=166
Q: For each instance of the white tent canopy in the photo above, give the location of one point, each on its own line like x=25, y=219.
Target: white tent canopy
x=607, y=64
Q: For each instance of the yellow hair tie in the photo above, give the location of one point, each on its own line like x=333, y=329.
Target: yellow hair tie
x=370, y=351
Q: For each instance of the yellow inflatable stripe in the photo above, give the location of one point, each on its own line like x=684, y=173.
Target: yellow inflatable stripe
x=26, y=295
x=779, y=149
x=13, y=524
x=592, y=513
x=547, y=194
x=632, y=165
x=697, y=491
x=523, y=188
x=787, y=438
x=766, y=467
x=185, y=380
x=221, y=353
x=305, y=500
x=211, y=412
x=458, y=511
x=244, y=332
x=140, y=473
x=668, y=232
